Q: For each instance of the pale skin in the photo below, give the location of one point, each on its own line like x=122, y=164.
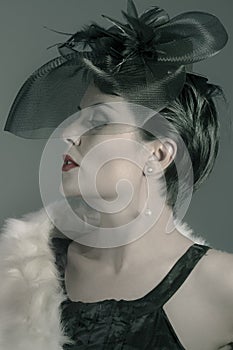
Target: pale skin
x=204, y=301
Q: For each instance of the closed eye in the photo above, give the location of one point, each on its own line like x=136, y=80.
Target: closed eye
x=100, y=126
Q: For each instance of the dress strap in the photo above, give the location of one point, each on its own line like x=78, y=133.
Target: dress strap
x=164, y=290
x=178, y=274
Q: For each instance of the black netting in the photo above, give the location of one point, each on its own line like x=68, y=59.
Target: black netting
x=145, y=61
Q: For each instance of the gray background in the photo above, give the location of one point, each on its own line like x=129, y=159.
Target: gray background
x=23, y=49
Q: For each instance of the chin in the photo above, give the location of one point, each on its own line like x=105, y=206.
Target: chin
x=68, y=192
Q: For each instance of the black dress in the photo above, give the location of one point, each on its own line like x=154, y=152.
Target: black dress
x=125, y=324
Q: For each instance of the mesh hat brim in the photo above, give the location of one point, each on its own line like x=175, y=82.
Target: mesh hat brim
x=54, y=91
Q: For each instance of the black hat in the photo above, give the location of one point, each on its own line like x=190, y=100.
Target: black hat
x=144, y=60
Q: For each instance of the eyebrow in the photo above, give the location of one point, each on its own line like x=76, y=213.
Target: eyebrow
x=95, y=104
x=98, y=103
x=104, y=113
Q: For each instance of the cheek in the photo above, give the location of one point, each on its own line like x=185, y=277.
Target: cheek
x=115, y=170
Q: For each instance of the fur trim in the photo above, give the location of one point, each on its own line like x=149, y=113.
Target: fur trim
x=30, y=293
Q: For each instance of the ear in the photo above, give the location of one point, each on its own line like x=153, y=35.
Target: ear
x=165, y=151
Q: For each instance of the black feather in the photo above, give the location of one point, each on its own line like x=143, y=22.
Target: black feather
x=65, y=50
x=49, y=47
x=144, y=32
x=122, y=40
x=155, y=16
x=56, y=31
x=131, y=9
x=121, y=26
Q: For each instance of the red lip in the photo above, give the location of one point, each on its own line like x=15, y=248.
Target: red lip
x=67, y=167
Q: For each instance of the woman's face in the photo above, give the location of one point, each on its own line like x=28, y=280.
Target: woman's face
x=106, y=153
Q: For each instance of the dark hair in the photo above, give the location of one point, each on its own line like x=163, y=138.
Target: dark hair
x=194, y=116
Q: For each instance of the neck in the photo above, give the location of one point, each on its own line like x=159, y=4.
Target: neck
x=153, y=244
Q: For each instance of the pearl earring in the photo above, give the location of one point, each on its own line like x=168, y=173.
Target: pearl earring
x=148, y=212
x=149, y=170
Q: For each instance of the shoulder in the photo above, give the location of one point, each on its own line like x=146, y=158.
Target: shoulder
x=216, y=277
x=218, y=266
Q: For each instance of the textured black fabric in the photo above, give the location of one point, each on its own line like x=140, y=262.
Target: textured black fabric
x=125, y=325
x=146, y=61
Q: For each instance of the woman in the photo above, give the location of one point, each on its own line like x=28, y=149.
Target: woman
x=137, y=292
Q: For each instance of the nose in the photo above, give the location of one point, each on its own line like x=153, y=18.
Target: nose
x=69, y=135
x=76, y=142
